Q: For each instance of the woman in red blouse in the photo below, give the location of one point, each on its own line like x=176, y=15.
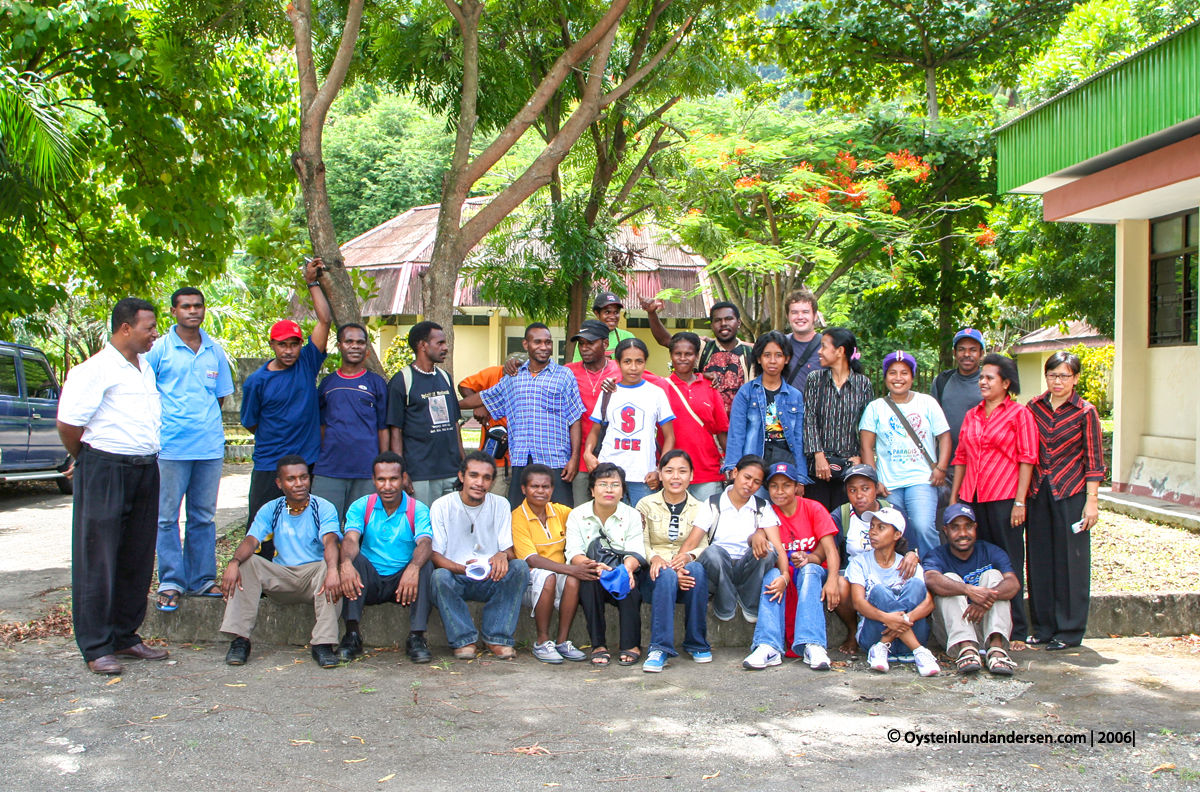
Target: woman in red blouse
x=993, y=465
x=1063, y=507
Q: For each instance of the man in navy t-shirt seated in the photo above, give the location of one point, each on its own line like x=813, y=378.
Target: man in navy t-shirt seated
x=306, y=534
x=279, y=401
x=973, y=584
x=385, y=558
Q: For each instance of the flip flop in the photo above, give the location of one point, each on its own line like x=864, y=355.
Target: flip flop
x=173, y=597
x=633, y=655
x=601, y=658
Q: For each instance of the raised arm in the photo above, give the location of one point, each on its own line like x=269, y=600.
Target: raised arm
x=661, y=334
x=320, y=334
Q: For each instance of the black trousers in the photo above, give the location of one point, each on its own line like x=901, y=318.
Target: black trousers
x=830, y=494
x=562, y=489
x=593, y=597
x=263, y=490
x=114, y=529
x=1060, y=567
x=378, y=589
x=994, y=521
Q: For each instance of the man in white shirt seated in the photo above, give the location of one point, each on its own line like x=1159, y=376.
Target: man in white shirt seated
x=738, y=553
x=305, y=569
x=475, y=560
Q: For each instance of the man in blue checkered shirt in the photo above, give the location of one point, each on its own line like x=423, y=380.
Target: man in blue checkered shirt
x=543, y=409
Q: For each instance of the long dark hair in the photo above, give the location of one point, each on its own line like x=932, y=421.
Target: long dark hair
x=841, y=337
x=760, y=346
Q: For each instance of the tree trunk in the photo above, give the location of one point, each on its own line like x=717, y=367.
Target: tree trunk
x=931, y=97
x=945, y=297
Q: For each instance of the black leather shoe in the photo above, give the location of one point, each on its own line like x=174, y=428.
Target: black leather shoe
x=350, y=647
x=239, y=651
x=417, y=650
x=1056, y=645
x=323, y=654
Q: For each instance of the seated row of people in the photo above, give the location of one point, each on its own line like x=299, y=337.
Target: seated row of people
x=778, y=560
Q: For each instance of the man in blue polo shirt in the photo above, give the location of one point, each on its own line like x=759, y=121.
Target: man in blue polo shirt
x=386, y=549
x=279, y=401
x=306, y=535
x=353, y=403
x=193, y=379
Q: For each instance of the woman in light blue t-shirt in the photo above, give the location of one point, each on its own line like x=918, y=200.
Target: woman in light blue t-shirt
x=909, y=475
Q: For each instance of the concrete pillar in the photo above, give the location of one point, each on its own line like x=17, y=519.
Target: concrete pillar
x=1130, y=369
x=495, y=338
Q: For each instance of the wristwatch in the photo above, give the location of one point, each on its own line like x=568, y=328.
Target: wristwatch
x=1019, y=503
x=310, y=285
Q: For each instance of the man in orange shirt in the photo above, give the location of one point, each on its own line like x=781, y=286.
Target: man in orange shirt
x=477, y=383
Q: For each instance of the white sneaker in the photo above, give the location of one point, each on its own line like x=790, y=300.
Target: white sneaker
x=877, y=657
x=927, y=664
x=762, y=657
x=816, y=657
x=547, y=653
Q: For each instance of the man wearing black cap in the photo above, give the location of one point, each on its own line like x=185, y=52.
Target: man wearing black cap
x=607, y=309
x=590, y=372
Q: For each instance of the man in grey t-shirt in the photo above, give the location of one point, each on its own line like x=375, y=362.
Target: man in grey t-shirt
x=957, y=389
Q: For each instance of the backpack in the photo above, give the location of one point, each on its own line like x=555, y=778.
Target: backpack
x=939, y=384
x=406, y=376
x=312, y=505
x=714, y=503
x=845, y=513
x=373, y=498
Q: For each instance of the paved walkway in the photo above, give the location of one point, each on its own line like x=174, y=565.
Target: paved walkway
x=1151, y=509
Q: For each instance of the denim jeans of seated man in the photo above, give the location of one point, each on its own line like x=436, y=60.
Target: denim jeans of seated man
x=734, y=582
x=810, y=611
x=501, y=610
x=190, y=565
x=910, y=596
x=663, y=594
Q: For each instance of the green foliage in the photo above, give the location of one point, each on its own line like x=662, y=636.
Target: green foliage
x=1095, y=375
x=529, y=264
x=398, y=355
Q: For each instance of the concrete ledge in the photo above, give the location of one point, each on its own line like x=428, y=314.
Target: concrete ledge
x=1152, y=509
x=199, y=620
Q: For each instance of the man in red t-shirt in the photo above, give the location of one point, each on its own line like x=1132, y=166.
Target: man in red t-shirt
x=803, y=525
x=590, y=373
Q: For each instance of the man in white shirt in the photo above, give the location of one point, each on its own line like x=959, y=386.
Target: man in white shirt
x=109, y=416
x=475, y=560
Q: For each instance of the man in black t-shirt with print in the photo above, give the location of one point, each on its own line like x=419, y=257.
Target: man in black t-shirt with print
x=724, y=360
x=423, y=416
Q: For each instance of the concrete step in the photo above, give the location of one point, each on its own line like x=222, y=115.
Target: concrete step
x=1151, y=509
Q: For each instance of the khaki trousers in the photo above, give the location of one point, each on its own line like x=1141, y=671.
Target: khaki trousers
x=284, y=585
x=949, y=615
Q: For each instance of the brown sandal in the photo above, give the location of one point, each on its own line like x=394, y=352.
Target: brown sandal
x=968, y=661
x=999, y=663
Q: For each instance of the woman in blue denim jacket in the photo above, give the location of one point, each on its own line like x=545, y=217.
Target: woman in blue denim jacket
x=758, y=424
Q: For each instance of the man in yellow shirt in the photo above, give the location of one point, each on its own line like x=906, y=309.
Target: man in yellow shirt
x=539, y=531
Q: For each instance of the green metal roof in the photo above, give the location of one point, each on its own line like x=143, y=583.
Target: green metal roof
x=1149, y=91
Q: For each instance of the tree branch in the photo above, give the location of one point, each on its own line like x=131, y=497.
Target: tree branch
x=629, y=82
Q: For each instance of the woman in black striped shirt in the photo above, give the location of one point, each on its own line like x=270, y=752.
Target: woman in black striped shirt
x=834, y=399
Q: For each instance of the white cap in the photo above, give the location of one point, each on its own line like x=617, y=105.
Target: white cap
x=887, y=515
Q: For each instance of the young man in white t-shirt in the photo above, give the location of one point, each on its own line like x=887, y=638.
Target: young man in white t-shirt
x=475, y=560
x=738, y=554
x=635, y=412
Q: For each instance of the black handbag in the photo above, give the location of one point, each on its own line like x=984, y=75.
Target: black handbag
x=601, y=551
x=837, y=467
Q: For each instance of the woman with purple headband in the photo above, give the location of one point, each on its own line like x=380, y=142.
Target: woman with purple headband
x=906, y=438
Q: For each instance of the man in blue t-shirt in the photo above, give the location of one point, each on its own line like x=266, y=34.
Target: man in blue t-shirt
x=973, y=584
x=306, y=534
x=279, y=401
x=193, y=378
x=353, y=404
x=385, y=558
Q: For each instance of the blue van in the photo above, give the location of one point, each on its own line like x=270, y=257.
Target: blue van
x=29, y=444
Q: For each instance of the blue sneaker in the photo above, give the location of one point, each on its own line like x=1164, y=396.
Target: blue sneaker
x=702, y=657
x=655, y=661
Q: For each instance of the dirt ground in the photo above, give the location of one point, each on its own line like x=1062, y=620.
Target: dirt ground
x=280, y=722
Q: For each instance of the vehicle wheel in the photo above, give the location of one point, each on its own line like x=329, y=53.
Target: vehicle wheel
x=65, y=486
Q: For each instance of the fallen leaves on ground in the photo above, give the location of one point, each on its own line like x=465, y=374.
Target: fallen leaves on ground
x=386, y=778
x=354, y=761
x=531, y=750
x=1131, y=555
x=55, y=624
x=112, y=681
x=1162, y=767
x=707, y=777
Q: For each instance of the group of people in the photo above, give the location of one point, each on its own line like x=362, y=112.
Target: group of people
x=764, y=476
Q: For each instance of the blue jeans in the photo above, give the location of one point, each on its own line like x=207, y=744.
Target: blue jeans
x=919, y=502
x=706, y=490
x=662, y=595
x=910, y=596
x=503, y=605
x=810, y=613
x=635, y=491
x=189, y=566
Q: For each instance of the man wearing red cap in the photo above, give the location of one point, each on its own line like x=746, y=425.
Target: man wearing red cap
x=279, y=401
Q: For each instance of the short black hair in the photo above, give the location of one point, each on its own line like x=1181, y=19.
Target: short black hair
x=630, y=343
x=723, y=304
x=760, y=346
x=606, y=470
x=536, y=470
x=127, y=309
x=352, y=326
x=688, y=336
x=288, y=460
x=388, y=458
x=421, y=332
x=1008, y=370
x=186, y=291
x=535, y=326
x=673, y=454
x=752, y=460
x=1063, y=358
x=474, y=456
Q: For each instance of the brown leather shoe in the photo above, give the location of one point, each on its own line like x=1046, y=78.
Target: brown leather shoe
x=467, y=652
x=143, y=652
x=503, y=652
x=105, y=665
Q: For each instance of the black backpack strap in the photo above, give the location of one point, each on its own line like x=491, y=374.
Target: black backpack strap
x=939, y=384
x=714, y=504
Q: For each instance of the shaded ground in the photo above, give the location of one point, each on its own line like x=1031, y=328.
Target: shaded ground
x=282, y=723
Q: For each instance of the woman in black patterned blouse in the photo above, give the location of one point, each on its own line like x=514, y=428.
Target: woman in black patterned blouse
x=834, y=399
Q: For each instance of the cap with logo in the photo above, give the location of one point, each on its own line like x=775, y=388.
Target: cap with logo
x=785, y=469
x=968, y=332
x=862, y=469
x=888, y=516
x=286, y=328
x=958, y=510
x=591, y=330
x=899, y=356
x=606, y=298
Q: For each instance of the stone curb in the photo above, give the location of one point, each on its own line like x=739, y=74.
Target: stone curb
x=1142, y=511
x=199, y=620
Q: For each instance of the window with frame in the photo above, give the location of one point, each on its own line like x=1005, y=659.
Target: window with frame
x=1173, y=298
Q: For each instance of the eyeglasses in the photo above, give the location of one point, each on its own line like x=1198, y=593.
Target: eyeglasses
x=608, y=485
x=1058, y=377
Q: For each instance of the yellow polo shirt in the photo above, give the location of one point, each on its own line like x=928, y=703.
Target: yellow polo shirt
x=530, y=537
